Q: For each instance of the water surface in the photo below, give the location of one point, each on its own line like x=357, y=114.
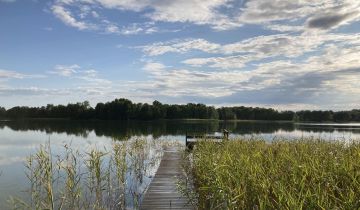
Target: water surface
x=19, y=139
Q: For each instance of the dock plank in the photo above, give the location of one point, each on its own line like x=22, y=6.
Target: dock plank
x=162, y=192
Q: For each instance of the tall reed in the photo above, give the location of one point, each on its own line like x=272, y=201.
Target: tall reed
x=119, y=159
x=283, y=174
x=97, y=179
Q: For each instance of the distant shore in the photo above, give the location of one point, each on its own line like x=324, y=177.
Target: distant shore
x=195, y=120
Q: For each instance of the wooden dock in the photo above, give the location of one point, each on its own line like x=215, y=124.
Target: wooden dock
x=191, y=140
x=162, y=192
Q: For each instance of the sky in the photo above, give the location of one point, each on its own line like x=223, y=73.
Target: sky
x=284, y=54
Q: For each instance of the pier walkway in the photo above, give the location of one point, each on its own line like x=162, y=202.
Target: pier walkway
x=162, y=192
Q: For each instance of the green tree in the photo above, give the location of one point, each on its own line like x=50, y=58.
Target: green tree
x=2, y=112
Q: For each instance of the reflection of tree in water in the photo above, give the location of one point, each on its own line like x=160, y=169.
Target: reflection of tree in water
x=257, y=127
x=114, y=129
x=328, y=128
x=125, y=129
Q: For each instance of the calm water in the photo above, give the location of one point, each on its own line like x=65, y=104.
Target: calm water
x=18, y=139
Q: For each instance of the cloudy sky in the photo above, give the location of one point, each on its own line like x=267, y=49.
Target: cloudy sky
x=286, y=54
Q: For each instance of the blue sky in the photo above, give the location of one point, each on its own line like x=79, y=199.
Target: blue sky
x=283, y=54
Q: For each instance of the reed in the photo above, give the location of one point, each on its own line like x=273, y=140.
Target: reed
x=72, y=186
x=283, y=174
x=96, y=179
x=119, y=160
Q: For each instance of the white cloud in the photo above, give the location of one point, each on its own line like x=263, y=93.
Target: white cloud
x=237, y=61
x=285, y=28
x=278, y=15
x=112, y=29
x=327, y=78
x=179, y=46
x=100, y=24
x=64, y=70
x=185, y=11
x=90, y=76
x=48, y=29
x=5, y=74
x=28, y=91
x=238, y=54
x=168, y=81
x=95, y=14
x=194, y=11
x=132, y=29
x=66, y=16
x=153, y=67
x=227, y=14
x=264, y=11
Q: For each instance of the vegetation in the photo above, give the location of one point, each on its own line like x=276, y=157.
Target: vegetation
x=119, y=109
x=255, y=174
x=96, y=179
x=124, y=109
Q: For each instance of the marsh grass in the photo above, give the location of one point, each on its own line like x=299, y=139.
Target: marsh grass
x=97, y=179
x=283, y=174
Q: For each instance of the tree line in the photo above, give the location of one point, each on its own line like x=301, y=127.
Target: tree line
x=124, y=109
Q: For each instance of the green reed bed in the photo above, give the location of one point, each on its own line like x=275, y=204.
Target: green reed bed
x=283, y=174
x=112, y=178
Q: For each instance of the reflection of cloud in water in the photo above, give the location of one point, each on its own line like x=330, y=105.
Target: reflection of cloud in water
x=11, y=160
x=16, y=146
x=298, y=134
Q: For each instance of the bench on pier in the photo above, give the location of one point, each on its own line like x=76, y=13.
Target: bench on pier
x=190, y=140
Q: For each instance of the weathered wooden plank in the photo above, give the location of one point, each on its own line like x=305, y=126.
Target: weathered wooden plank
x=162, y=192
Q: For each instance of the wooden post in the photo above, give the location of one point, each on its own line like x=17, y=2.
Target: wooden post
x=226, y=134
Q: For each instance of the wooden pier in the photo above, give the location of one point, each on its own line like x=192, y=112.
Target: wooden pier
x=162, y=192
x=190, y=140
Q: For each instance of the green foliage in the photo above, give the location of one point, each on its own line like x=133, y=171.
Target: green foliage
x=2, y=112
x=255, y=174
x=119, y=109
x=124, y=109
x=73, y=111
x=250, y=113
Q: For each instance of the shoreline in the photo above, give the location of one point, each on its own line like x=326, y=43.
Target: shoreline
x=329, y=123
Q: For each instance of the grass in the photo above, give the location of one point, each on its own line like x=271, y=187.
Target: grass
x=283, y=174
x=97, y=179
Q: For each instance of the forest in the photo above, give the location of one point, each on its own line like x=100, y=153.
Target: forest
x=124, y=109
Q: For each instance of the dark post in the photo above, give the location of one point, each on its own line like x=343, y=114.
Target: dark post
x=226, y=134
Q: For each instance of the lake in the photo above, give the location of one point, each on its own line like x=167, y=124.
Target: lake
x=19, y=139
